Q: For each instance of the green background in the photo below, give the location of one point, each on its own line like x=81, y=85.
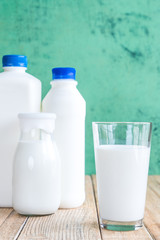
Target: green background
x=113, y=44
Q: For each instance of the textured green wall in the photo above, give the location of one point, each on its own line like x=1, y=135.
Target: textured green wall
x=113, y=44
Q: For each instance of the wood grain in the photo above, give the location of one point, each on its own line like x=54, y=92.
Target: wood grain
x=72, y=224
x=4, y=213
x=152, y=212
x=11, y=226
x=141, y=234
x=81, y=223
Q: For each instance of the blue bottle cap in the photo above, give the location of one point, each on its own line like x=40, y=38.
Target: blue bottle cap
x=14, y=61
x=63, y=73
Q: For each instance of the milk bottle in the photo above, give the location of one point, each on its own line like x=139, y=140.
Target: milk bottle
x=19, y=92
x=36, y=166
x=69, y=106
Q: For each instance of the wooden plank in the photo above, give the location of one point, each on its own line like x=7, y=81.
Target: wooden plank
x=71, y=224
x=131, y=235
x=11, y=226
x=152, y=212
x=4, y=213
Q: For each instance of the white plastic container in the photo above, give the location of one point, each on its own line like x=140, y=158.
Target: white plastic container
x=19, y=92
x=36, y=166
x=70, y=108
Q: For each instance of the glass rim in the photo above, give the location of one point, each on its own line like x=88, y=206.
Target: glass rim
x=133, y=123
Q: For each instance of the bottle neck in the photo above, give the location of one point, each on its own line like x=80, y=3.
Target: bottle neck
x=35, y=135
x=64, y=83
x=14, y=69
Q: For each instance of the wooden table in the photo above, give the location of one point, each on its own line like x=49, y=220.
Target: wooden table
x=81, y=223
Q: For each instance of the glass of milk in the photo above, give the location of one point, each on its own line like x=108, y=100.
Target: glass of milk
x=122, y=152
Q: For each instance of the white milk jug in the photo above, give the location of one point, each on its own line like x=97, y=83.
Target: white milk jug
x=19, y=92
x=70, y=108
x=36, y=166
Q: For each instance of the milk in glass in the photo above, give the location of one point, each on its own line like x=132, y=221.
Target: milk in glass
x=122, y=172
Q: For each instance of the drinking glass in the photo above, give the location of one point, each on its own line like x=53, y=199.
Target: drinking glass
x=122, y=152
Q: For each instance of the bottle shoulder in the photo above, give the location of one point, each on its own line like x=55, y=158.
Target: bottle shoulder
x=29, y=76
x=22, y=78
x=63, y=94
x=64, y=102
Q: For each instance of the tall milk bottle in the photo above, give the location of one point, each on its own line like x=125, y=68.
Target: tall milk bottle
x=70, y=108
x=19, y=92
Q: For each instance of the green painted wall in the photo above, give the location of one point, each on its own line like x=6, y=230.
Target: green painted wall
x=114, y=45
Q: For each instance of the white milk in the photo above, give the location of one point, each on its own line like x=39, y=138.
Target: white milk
x=36, y=178
x=69, y=106
x=19, y=92
x=122, y=172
